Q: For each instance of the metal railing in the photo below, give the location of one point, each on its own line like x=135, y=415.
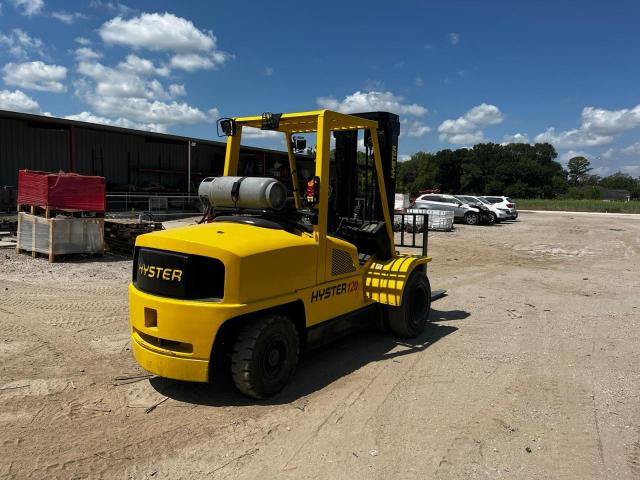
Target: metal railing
x=413, y=228
x=136, y=202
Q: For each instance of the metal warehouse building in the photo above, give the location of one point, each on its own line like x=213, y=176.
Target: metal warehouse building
x=130, y=160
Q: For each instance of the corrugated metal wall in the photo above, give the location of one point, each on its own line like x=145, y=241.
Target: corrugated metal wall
x=127, y=159
x=32, y=145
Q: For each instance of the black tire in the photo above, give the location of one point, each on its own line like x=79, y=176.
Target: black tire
x=410, y=319
x=492, y=219
x=265, y=356
x=471, y=218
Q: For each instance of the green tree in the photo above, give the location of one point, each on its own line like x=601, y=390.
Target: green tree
x=519, y=169
x=622, y=181
x=593, y=193
x=578, y=168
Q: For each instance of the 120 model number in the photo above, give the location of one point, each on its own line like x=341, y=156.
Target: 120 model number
x=328, y=292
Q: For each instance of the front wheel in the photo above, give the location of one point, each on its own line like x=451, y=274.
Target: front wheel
x=265, y=356
x=471, y=218
x=410, y=318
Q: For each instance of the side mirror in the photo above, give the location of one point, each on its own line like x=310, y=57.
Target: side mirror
x=228, y=127
x=299, y=144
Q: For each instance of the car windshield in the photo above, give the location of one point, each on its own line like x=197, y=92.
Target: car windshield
x=483, y=200
x=466, y=199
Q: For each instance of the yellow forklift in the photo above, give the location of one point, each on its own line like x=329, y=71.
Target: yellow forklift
x=271, y=273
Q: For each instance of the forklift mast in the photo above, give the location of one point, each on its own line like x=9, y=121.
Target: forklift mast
x=356, y=192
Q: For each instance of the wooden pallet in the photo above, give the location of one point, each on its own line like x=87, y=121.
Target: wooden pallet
x=49, y=212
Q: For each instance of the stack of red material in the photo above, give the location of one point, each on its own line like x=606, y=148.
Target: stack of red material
x=63, y=191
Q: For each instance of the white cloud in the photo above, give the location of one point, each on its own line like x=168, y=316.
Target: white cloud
x=29, y=8
x=113, y=7
x=196, y=61
x=467, y=129
x=608, y=153
x=67, y=17
x=418, y=81
x=86, y=53
x=404, y=158
x=35, y=76
x=515, y=138
x=597, y=127
x=573, y=138
x=372, y=101
x=633, y=149
x=484, y=115
x=20, y=44
x=418, y=129
x=147, y=111
x=454, y=38
x=213, y=114
x=118, y=122
x=568, y=155
x=18, y=101
x=262, y=134
x=268, y=71
x=464, y=138
x=176, y=90
x=158, y=31
x=124, y=94
x=109, y=81
x=83, y=41
x=633, y=170
x=142, y=66
x=610, y=122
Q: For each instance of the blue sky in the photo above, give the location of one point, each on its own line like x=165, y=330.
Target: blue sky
x=457, y=72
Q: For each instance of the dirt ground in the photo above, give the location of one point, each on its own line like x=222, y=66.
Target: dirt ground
x=530, y=369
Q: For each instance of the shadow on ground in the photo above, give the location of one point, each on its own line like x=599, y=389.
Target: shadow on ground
x=317, y=369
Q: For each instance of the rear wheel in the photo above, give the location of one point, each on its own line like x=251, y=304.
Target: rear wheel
x=493, y=218
x=265, y=356
x=410, y=319
x=471, y=218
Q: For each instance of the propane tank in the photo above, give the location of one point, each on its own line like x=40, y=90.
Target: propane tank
x=243, y=192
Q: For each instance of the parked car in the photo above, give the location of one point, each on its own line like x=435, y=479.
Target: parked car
x=497, y=214
x=461, y=211
x=503, y=203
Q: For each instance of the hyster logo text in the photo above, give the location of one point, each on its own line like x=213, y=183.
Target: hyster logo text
x=328, y=292
x=161, y=273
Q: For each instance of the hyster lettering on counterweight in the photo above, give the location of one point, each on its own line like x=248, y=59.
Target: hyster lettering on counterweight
x=334, y=290
x=169, y=274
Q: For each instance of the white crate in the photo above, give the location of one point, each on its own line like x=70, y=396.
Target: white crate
x=438, y=219
x=59, y=236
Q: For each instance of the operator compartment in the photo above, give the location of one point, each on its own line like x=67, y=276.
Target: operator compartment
x=178, y=275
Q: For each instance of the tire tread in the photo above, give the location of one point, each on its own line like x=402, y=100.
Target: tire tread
x=243, y=352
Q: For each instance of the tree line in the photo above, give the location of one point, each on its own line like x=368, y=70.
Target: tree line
x=516, y=170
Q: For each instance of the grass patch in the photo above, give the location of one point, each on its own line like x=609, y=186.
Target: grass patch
x=571, y=205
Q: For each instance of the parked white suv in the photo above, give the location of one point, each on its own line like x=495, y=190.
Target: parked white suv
x=503, y=203
x=497, y=214
x=461, y=211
